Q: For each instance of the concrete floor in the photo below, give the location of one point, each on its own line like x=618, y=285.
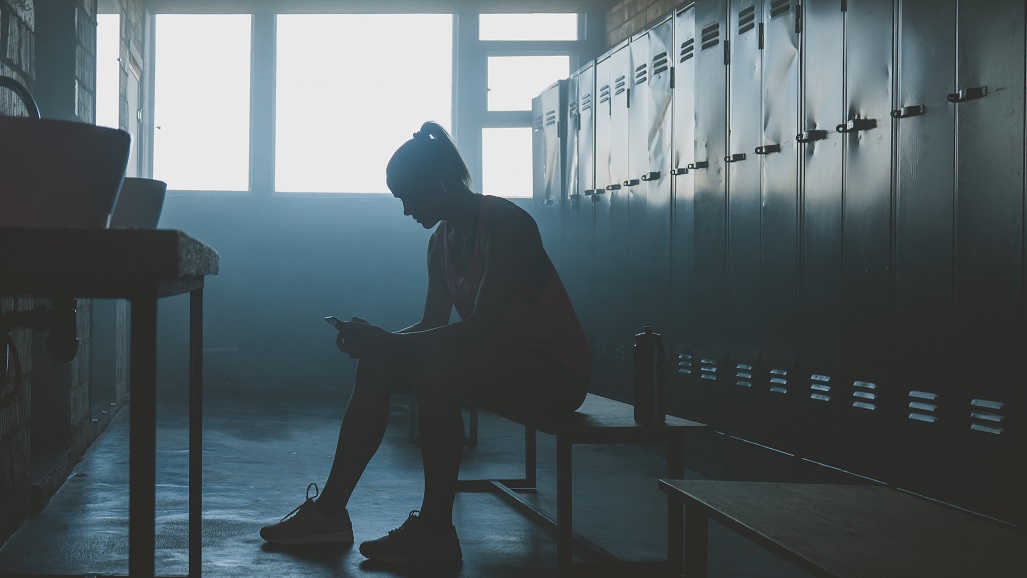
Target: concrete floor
x=258, y=460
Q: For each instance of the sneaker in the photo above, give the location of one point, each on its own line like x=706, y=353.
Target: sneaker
x=414, y=543
x=309, y=525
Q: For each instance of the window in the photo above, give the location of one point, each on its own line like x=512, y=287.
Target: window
x=515, y=80
x=528, y=27
x=506, y=162
x=202, y=101
x=350, y=89
x=108, y=69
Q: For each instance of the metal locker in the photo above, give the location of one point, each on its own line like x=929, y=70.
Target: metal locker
x=820, y=227
x=866, y=136
x=538, y=150
x=686, y=396
x=777, y=154
x=989, y=258
x=744, y=373
x=571, y=192
x=580, y=213
x=710, y=202
x=551, y=104
x=649, y=200
x=635, y=268
x=922, y=334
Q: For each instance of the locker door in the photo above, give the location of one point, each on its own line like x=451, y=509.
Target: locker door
x=581, y=211
x=650, y=202
x=866, y=134
x=620, y=337
x=989, y=257
x=778, y=157
x=547, y=208
x=538, y=150
x=685, y=395
x=710, y=201
x=820, y=225
x=924, y=236
x=571, y=192
x=602, y=349
x=743, y=196
x=637, y=269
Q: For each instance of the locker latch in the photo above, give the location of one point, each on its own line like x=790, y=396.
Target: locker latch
x=631, y=182
x=734, y=158
x=613, y=187
x=907, y=111
x=857, y=124
x=651, y=176
x=575, y=196
x=811, y=135
x=679, y=171
x=767, y=149
x=698, y=165
x=588, y=192
x=968, y=94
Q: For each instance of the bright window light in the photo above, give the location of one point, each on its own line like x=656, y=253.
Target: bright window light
x=506, y=162
x=108, y=69
x=351, y=88
x=202, y=101
x=515, y=80
x=528, y=27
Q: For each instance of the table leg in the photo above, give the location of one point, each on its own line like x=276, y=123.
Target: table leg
x=675, y=510
x=697, y=525
x=564, y=509
x=195, y=432
x=142, y=442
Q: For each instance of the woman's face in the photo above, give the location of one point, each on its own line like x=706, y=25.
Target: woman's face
x=421, y=201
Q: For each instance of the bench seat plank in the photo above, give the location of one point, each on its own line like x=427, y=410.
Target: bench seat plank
x=596, y=414
x=842, y=530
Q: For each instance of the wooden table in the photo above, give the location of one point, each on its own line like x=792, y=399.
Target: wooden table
x=141, y=266
x=839, y=530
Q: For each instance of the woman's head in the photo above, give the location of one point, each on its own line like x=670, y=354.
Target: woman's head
x=426, y=169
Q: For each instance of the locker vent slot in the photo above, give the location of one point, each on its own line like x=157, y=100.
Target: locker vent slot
x=986, y=416
x=536, y=123
x=572, y=110
x=864, y=395
x=921, y=406
x=743, y=383
x=684, y=364
x=551, y=118
x=687, y=49
x=640, y=74
x=601, y=348
x=711, y=36
x=586, y=102
x=618, y=85
x=820, y=387
x=661, y=62
x=778, y=390
x=604, y=93
x=743, y=373
x=746, y=20
x=779, y=380
x=620, y=352
x=708, y=368
x=779, y=7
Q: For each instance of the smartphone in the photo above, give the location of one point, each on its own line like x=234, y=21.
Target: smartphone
x=334, y=322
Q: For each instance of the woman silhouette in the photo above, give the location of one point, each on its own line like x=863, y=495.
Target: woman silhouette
x=518, y=347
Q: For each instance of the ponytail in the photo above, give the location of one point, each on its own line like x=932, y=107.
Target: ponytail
x=429, y=154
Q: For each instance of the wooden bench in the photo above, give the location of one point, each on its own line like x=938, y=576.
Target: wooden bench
x=598, y=421
x=843, y=531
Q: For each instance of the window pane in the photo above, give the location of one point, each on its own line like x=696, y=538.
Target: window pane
x=515, y=80
x=350, y=89
x=202, y=102
x=108, y=69
x=528, y=27
x=506, y=162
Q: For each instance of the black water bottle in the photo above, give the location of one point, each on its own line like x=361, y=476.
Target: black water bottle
x=650, y=378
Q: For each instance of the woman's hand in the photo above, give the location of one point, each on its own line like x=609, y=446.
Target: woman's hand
x=359, y=339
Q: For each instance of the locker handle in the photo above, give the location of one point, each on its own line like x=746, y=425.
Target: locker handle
x=698, y=165
x=651, y=176
x=613, y=187
x=734, y=158
x=968, y=94
x=811, y=135
x=907, y=111
x=679, y=171
x=597, y=194
x=631, y=182
x=575, y=196
x=588, y=192
x=767, y=149
x=856, y=125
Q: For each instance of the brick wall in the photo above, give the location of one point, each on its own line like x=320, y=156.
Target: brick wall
x=627, y=17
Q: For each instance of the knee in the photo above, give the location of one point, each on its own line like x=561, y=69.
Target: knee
x=431, y=379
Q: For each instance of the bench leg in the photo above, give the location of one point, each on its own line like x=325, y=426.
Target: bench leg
x=529, y=458
x=697, y=526
x=675, y=512
x=564, y=510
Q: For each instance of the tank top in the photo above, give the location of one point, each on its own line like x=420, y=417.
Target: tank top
x=549, y=324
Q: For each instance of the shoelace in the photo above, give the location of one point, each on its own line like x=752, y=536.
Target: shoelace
x=412, y=515
x=297, y=509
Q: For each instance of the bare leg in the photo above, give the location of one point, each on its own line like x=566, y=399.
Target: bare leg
x=442, y=442
x=362, y=430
